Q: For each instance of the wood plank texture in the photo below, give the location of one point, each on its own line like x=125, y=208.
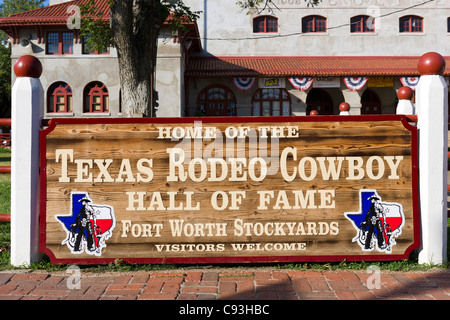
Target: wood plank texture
x=280, y=197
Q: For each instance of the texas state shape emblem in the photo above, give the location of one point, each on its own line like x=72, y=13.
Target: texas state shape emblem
x=88, y=225
x=378, y=223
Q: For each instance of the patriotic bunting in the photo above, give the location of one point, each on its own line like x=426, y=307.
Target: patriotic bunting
x=244, y=84
x=301, y=84
x=355, y=84
x=410, y=82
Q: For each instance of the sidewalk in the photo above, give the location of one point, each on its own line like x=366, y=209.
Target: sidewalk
x=226, y=284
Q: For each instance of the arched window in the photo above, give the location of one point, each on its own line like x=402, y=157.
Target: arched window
x=96, y=99
x=59, y=98
x=370, y=103
x=314, y=24
x=320, y=101
x=265, y=24
x=411, y=24
x=216, y=100
x=271, y=102
x=360, y=24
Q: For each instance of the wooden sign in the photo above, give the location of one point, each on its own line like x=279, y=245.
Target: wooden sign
x=212, y=190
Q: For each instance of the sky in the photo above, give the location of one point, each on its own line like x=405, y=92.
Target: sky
x=45, y=2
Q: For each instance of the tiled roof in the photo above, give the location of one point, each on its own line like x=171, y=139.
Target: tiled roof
x=56, y=14
x=202, y=66
x=59, y=14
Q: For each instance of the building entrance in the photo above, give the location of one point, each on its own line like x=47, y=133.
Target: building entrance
x=320, y=101
x=216, y=100
x=370, y=103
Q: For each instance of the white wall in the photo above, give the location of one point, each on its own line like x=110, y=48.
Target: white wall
x=223, y=20
x=79, y=69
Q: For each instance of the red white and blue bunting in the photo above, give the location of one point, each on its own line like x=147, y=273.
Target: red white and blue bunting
x=244, y=84
x=301, y=84
x=410, y=82
x=355, y=84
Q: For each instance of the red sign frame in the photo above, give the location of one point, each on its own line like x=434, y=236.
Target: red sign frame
x=232, y=259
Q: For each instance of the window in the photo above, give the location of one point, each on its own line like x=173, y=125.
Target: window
x=60, y=42
x=271, y=102
x=411, y=24
x=96, y=99
x=448, y=24
x=59, y=98
x=87, y=51
x=314, y=24
x=216, y=100
x=265, y=24
x=360, y=24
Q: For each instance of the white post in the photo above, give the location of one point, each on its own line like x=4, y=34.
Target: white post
x=432, y=110
x=405, y=105
x=27, y=103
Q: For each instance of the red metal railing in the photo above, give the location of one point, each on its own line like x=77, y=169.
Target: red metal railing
x=5, y=138
x=5, y=142
x=5, y=122
x=5, y=169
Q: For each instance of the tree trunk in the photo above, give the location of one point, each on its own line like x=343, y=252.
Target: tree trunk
x=135, y=27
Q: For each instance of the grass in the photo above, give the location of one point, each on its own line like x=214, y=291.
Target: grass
x=5, y=182
x=5, y=190
x=5, y=207
x=5, y=157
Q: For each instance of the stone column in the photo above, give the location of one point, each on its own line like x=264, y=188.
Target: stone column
x=27, y=103
x=432, y=111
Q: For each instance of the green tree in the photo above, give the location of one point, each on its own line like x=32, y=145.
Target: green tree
x=135, y=26
x=5, y=82
x=133, y=30
x=7, y=8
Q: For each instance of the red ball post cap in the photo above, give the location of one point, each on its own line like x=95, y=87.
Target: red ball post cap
x=313, y=113
x=431, y=63
x=28, y=66
x=344, y=106
x=405, y=93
